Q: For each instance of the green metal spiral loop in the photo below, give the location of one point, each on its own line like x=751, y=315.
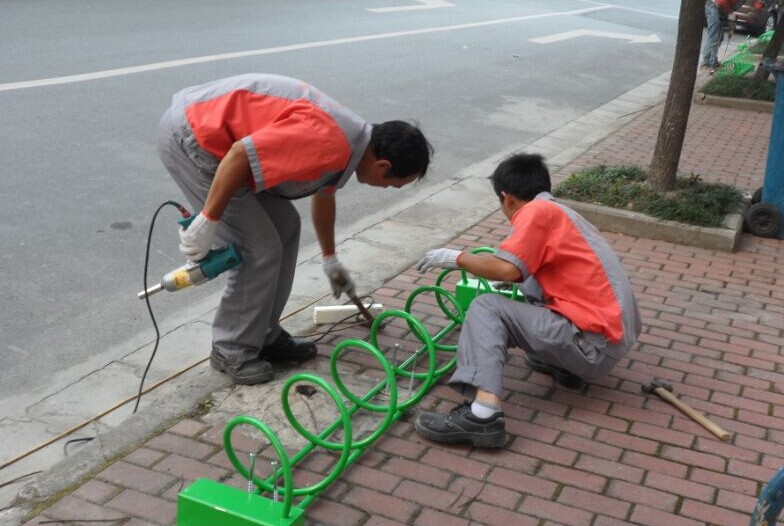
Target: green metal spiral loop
x=349, y=447
x=345, y=420
x=419, y=330
x=285, y=462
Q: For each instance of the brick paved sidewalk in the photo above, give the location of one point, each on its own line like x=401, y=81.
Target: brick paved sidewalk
x=605, y=456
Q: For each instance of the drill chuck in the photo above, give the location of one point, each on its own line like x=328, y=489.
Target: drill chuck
x=185, y=276
x=180, y=278
x=196, y=273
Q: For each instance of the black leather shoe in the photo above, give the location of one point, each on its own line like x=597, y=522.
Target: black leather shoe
x=288, y=349
x=460, y=425
x=562, y=376
x=252, y=372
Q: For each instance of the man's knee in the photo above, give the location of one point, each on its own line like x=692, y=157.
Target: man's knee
x=487, y=303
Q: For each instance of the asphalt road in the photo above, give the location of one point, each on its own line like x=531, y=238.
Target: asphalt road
x=83, y=85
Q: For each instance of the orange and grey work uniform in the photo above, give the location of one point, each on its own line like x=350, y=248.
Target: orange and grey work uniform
x=581, y=315
x=299, y=141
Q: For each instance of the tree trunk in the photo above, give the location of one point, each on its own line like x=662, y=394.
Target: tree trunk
x=669, y=142
x=772, y=51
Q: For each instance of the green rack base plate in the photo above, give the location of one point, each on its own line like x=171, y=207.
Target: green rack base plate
x=466, y=290
x=208, y=503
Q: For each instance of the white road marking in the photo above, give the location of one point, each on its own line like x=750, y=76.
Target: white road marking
x=632, y=38
x=131, y=70
x=422, y=4
x=641, y=11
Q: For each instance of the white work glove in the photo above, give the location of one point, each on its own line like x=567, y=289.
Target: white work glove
x=338, y=276
x=439, y=258
x=197, y=240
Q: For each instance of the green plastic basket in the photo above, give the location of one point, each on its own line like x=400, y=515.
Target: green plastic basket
x=738, y=65
x=766, y=36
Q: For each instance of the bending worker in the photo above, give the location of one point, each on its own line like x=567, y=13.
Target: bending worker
x=580, y=316
x=240, y=149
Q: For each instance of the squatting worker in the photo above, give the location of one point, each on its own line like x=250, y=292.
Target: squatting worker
x=580, y=316
x=240, y=149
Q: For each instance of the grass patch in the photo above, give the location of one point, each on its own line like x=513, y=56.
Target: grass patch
x=740, y=88
x=693, y=202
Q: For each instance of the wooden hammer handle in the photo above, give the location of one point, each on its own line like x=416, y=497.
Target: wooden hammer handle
x=694, y=415
x=362, y=309
x=337, y=277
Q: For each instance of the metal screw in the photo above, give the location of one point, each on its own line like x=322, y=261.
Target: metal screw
x=251, y=486
x=413, y=371
x=393, y=361
x=274, y=466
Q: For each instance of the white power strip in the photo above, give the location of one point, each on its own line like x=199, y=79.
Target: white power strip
x=336, y=313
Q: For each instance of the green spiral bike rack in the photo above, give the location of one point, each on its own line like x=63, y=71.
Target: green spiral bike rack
x=275, y=501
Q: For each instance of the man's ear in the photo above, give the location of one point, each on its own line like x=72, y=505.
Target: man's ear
x=506, y=199
x=382, y=167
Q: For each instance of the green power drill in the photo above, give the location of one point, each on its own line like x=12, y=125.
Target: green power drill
x=214, y=263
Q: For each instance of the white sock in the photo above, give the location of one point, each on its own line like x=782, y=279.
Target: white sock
x=481, y=410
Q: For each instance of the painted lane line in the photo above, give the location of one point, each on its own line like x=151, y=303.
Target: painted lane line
x=630, y=9
x=423, y=4
x=632, y=38
x=131, y=70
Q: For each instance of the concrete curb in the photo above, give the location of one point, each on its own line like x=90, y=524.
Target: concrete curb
x=640, y=225
x=192, y=389
x=734, y=103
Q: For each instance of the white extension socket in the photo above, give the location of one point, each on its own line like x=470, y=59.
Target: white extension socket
x=336, y=313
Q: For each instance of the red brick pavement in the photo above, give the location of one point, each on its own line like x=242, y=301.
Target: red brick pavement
x=722, y=145
x=606, y=456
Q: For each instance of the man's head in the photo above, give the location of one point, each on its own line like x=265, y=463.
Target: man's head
x=518, y=179
x=522, y=175
x=398, y=154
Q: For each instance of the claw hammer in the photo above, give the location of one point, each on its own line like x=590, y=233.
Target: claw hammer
x=664, y=390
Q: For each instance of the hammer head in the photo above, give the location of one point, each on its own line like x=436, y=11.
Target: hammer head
x=655, y=384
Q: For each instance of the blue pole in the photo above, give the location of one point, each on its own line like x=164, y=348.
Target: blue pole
x=768, y=507
x=773, y=186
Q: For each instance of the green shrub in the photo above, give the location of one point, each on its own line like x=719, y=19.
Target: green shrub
x=740, y=88
x=693, y=202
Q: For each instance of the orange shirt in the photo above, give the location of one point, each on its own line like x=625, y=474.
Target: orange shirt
x=298, y=140
x=577, y=270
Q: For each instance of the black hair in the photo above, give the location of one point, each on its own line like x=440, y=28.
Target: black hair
x=523, y=175
x=403, y=145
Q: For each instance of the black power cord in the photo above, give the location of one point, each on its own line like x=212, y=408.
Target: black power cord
x=184, y=212
x=333, y=327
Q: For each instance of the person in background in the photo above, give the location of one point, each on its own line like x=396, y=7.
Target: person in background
x=716, y=12
x=579, y=319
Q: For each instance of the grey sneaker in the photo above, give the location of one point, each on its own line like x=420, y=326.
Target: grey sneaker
x=460, y=425
x=562, y=376
x=252, y=372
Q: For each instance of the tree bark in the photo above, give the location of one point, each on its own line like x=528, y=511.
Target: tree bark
x=669, y=142
x=772, y=51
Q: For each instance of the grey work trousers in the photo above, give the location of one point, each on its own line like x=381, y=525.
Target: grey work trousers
x=495, y=324
x=264, y=228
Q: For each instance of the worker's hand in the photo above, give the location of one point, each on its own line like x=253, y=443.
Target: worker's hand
x=439, y=258
x=338, y=276
x=502, y=285
x=197, y=240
